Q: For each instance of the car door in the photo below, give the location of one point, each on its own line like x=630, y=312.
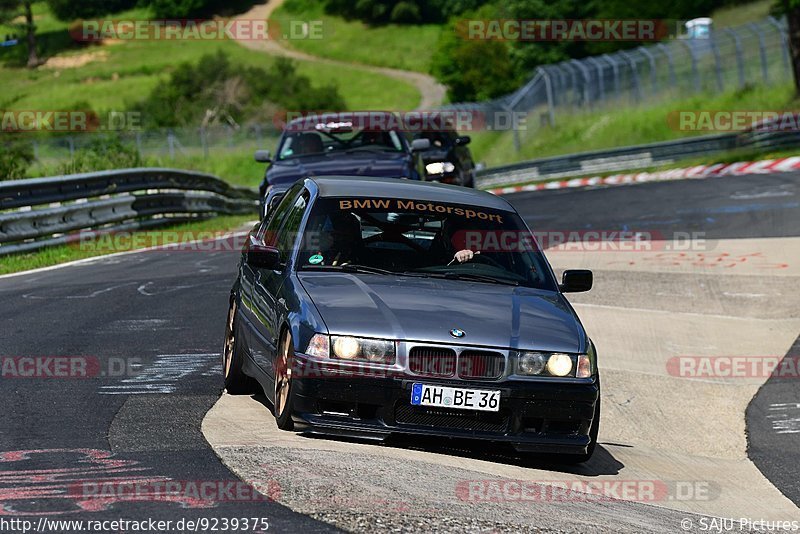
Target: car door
x=267, y=306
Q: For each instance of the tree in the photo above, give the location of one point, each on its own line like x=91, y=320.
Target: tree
x=792, y=10
x=9, y=11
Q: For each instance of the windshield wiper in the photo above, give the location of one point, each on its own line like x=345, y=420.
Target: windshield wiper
x=348, y=268
x=450, y=275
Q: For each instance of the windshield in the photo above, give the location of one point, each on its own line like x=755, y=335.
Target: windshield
x=421, y=238
x=321, y=142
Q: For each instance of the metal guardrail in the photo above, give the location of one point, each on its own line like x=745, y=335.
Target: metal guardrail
x=633, y=157
x=41, y=212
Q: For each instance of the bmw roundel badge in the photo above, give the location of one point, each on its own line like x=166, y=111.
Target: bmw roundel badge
x=457, y=332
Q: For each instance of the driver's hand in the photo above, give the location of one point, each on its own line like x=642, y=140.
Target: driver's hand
x=464, y=255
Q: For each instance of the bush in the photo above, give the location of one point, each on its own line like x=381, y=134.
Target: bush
x=71, y=9
x=16, y=157
x=216, y=91
x=100, y=154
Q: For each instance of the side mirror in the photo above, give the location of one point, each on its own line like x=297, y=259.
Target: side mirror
x=576, y=281
x=420, y=145
x=463, y=140
x=263, y=257
x=263, y=156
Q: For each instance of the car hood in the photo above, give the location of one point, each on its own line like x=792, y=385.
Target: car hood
x=426, y=309
x=358, y=164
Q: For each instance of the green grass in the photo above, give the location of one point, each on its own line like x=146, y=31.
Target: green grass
x=408, y=47
x=125, y=72
x=726, y=17
x=65, y=253
x=620, y=126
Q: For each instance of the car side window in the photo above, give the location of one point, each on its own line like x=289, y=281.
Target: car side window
x=269, y=230
x=288, y=233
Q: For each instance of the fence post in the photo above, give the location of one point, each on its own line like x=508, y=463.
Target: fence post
x=600, y=82
x=695, y=72
x=586, y=81
x=717, y=63
x=653, y=81
x=574, y=82
x=71, y=143
x=761, y=50
x=139, y=142
x=204, y=141
x=784, y=42
x=548, y=88
x=637, y=86
x=670, y=65
x=737, y=43
x=615, y=70
x=171, y=145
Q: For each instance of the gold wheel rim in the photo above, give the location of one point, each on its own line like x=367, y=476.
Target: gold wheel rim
x=283, y=375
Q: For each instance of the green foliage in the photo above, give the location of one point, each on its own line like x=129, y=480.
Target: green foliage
x=177, y=9
x=70, y=9
x=102, y=153
x=216, y=91
x=400, y=11
x=473, y=69
x=16, y=155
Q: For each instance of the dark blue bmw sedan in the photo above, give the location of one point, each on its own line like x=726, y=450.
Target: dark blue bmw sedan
x=367, y=308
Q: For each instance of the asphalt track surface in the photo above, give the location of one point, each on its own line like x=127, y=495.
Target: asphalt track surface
x=163, y=312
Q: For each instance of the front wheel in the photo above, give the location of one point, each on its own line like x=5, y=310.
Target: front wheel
x=236, y=382
x=284, y=392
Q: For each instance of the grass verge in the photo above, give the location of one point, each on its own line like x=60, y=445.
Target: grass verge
x=618, y=127
x=66, y=253
x=407, y=46
x=116, y=74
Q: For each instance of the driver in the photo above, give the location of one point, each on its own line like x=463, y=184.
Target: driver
x=339, y=240
x=450, y=246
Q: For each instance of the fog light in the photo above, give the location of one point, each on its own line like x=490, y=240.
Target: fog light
x=346, y=348
x=531, y=363
x=559, y=364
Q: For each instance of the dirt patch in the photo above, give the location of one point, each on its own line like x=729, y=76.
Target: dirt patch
x=73, y=62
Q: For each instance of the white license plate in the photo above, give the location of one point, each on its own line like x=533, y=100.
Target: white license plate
x=463, y=399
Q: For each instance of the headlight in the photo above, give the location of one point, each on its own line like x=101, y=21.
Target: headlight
x=559, y=364
x=531, y=363
x=556, y=364
x=439, y=167
x=370, y=350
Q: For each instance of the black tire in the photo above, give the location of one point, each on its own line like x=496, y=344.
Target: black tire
x=283, y=406
x=236, y=382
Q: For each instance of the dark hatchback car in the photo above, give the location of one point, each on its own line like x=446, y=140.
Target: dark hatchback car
x=353, y=144
x=367, y=307
x=448, y=160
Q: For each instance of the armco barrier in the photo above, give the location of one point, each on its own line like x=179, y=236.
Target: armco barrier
x=633, y=157
x=42, y=212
